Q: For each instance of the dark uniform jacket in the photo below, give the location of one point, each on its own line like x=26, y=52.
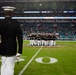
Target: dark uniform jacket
x=11, y=33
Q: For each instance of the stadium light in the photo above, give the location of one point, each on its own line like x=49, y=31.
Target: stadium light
x=41, y=17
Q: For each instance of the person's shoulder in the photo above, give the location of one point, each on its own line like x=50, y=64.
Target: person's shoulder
x=1, y=20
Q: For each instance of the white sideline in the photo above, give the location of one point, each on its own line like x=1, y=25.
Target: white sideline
x=21, y=72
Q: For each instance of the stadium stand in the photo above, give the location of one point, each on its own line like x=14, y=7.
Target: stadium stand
x=66, y=28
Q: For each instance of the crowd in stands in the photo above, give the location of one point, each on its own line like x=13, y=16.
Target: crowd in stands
x=63, y=29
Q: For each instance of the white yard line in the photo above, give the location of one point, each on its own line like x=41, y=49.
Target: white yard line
x=25, y=67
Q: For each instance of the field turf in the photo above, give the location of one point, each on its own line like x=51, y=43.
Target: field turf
x=64, y=52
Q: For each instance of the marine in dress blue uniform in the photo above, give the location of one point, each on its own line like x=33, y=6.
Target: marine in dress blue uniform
x=11, y=37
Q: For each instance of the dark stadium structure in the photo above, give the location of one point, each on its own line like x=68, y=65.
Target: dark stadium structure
x=23, y=5
x=64, y=28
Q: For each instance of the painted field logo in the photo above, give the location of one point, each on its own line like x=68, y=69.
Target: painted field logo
x=46, y=60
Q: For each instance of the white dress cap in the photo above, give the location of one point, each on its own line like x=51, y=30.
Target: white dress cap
x=8, y=8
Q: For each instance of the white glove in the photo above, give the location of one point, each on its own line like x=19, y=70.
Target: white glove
x=18, y=57
x=18, y=54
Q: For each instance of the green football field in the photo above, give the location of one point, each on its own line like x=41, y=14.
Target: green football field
x=57, y=60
